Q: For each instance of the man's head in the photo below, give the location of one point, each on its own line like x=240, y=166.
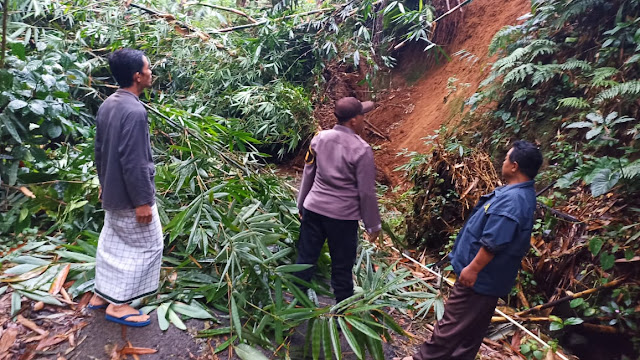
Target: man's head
x=350, y=112
x=131, y=69
x=522, y=162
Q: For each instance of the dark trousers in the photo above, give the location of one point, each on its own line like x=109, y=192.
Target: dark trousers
x=342, y=236
x=459, y=334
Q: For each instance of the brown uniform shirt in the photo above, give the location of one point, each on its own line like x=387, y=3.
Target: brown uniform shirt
x=339, y=178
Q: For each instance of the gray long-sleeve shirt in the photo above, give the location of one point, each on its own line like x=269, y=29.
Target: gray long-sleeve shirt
x=123, y=153
x=339, y=178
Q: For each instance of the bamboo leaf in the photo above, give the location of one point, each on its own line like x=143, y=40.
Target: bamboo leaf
x=246, y=352
x=235, y=316
x=16, y=303
x=76, y=256
x=214, y=332
x=292, y=268
x=26, y=276
x=175, y=319
x=390, y=322
x=225, y=344
x=56, y=285
x=335, y=338
x=375, y=348
x=361, y=327
x=316, y=338
x=40, y=296
x=351, y=339
x=163, y=323
x=192, y=310
x=326, y=339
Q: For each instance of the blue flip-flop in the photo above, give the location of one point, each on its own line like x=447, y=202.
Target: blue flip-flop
x=123, y=321
x=96, y=307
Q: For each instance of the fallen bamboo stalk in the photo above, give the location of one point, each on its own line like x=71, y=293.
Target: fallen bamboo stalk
x=459, y=6
x=377, y=131
x=224, y=8
x=533, y=319
x=498, y=311
x=172, y=19
x=262, y=22
x=613, y=283
x=600, y=328
x=546, y=188
x=560, y=214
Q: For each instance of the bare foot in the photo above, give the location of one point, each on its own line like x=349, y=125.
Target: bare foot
x=123, y=310
x=97, y=300
x=404, y=358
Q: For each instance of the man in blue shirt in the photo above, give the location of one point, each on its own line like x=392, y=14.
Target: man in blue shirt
x=486, y=258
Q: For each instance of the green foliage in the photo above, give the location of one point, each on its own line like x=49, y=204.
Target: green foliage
x=530, y=348
x=577, y=103
x=567, y=78
x=219, y=102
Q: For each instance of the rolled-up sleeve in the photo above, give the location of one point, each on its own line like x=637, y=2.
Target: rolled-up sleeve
x=366, y=177
x=499, y=231
x=135, y=159
x=308, y=176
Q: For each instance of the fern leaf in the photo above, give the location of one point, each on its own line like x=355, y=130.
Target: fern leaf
x=632, y=170
x=490, y=79
x=577, y=8
x=541, y=47
x=629, y=89
x=601, y=77
x=511, y=60
x=518, y=74
x=521, y=94
x=503, y=37
x=543, y=73
x=574, y=103
x=573, y=64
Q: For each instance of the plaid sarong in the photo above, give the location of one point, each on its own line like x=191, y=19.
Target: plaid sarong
x=129, y=257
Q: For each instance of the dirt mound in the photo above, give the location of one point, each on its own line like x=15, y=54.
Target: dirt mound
x=421, y=97
x=424, y=92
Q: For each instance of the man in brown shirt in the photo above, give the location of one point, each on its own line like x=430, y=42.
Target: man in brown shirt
x=338, y=189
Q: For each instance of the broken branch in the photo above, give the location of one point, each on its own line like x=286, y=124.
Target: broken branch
x=571, y=297
x=223, y=8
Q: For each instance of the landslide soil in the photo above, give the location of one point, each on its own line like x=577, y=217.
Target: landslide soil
x=415, y=100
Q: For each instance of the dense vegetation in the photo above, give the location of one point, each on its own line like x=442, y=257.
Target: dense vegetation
x=568, y=78
x=232, y=91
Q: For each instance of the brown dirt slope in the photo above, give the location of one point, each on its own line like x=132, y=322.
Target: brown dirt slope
x=408, y=114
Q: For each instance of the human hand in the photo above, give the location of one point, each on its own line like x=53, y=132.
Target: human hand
x=374, y=236
x=99, y=193
x=144, y=214
x=468, y=277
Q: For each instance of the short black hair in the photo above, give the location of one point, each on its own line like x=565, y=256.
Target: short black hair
x=124, y=63
x=342, y=120
x=528, y=156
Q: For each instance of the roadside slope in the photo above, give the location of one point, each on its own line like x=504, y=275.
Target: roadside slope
x=408, y=114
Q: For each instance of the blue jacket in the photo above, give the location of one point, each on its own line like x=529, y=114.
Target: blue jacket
x=501, y=222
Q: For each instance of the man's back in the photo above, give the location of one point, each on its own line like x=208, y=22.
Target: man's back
x=123, y=153
x=342, y=184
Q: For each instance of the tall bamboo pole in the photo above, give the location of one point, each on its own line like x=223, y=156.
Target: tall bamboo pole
x=5, y=15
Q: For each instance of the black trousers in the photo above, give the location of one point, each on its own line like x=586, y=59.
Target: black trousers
x=342, y=236
x=459, y=334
